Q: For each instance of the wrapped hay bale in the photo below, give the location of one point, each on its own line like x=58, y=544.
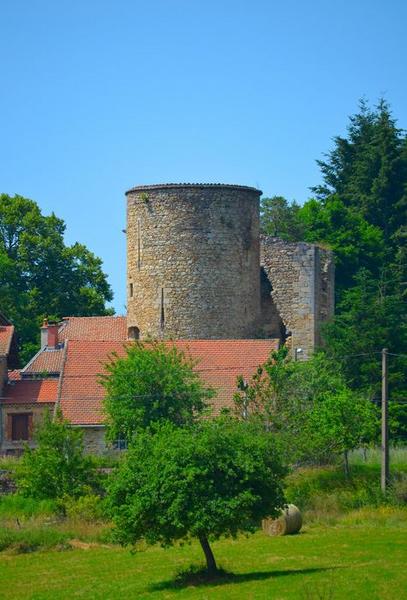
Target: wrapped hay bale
x=290, y=521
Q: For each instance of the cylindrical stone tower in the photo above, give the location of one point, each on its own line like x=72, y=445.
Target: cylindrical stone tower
x=193, y=265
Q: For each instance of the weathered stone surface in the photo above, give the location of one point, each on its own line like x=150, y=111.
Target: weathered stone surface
x=301, y=277
x=193, y=261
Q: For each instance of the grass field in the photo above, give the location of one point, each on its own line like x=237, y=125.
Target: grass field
x=353, y=545
x=349, y=560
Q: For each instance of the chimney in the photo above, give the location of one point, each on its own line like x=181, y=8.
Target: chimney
x=44, y=334
x=49, y=335
x=53, y=335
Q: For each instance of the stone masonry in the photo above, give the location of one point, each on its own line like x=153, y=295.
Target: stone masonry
x=301, y=297
x=194, y=269
x=193, y=261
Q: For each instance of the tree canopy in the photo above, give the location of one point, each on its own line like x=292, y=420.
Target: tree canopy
x=216, y=478
x=152, y=382
x=40, y=275
x=309, y=406
x=360, y=212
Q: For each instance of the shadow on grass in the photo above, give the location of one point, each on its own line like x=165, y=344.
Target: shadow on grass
x=195, y=576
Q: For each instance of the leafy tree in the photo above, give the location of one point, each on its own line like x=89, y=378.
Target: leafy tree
x=371, y=315
x=361, y=206
x=308, y=404
x=41, y=276
x=279, y=218
x=355, y=242
x=152, y=382
x=360, y=211
x=57, y=467
x=217, y=478
x=368, y=169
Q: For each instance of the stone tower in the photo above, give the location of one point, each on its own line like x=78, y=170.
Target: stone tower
x=193, y=261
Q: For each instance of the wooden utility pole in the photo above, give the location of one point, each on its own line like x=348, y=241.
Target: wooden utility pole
x=385, y=424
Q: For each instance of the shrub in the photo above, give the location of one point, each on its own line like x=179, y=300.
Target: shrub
x=85, y=508
x=57, y=467
x=398, y=488
x=16, y=505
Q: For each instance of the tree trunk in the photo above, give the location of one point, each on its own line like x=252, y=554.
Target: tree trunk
x=210, y=559
x=346, y=461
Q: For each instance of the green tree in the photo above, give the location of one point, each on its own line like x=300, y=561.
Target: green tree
x=217, y=478
x=152, y=382
x=57, y=467
x=360, y=211
x=368, y=169
x=309, y=406
x=279, y=218
x=372, y=315
x=361, y=207
x=41, y=276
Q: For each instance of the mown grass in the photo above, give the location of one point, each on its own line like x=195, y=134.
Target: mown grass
x=353, y=544
x=326, y=563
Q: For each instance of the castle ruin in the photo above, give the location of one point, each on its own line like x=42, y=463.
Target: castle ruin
x=197, y=268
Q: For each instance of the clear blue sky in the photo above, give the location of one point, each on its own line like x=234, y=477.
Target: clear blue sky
x=97, y=96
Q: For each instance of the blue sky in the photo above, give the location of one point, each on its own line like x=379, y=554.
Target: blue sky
x=98, y=96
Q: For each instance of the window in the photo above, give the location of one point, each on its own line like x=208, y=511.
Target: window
x=131, y=290
x=20, y=426
x=133, y=333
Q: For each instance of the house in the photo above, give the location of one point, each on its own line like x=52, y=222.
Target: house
x=65, y=374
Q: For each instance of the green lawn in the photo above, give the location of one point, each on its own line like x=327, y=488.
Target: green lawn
x=348, y=560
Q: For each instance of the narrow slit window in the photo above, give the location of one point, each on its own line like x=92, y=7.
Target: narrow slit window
x=131, y=290
x=162, y=312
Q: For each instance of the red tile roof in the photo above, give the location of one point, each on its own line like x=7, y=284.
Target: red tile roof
x=6, y=336
x=14, y=375
x=93, y=328
x=219, y=362
x=30, y=391
x=48, y=360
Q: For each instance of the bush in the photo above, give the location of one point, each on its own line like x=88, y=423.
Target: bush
x=18, y=506
x=327, y=491
x=57, y=467
x=30, y=540
x=85, y=508
x=398, y=488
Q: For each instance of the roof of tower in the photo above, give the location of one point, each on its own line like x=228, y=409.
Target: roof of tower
x=167, y=186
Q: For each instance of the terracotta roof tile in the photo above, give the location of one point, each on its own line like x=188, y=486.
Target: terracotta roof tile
x=6, y=336
x=14, y=375
x=219, y=362
x=93, y=328
x=48, y=360
x=30, y=391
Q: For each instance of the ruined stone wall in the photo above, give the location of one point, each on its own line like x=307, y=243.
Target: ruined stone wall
x=302, y=286
x=193, y=261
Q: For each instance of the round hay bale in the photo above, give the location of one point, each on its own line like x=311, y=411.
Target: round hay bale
x=290, y=521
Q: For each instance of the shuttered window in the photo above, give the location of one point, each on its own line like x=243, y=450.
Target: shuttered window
x=21, y=426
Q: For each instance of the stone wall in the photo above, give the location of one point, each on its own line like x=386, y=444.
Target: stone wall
x=193, y=261
x=7, y=446
x=301, y=277
x=94, y=440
